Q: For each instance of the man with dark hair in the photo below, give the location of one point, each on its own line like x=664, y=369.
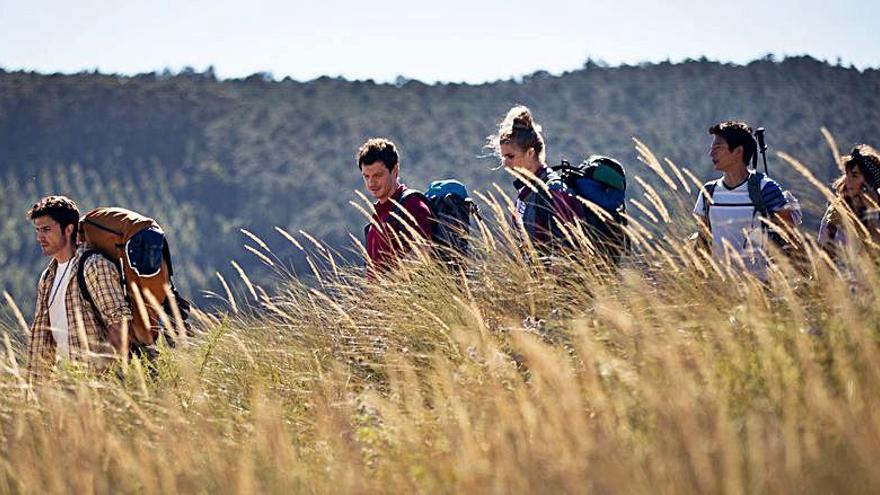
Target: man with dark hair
x=736, y=134
x=731, y=209
x=378, y=161
x=65, y=326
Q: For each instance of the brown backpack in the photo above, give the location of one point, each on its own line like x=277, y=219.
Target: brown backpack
x=137, y=246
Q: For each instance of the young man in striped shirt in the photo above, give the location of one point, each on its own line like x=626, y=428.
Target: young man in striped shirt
x=731, y=220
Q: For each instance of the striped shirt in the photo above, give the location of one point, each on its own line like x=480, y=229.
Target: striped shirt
x=736, y=229
x=86, y=337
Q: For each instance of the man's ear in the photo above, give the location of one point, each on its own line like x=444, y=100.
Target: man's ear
x=68, y=233
x=395, y=170
x=739, y=152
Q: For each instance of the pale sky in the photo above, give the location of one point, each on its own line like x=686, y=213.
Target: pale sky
x=445, y=40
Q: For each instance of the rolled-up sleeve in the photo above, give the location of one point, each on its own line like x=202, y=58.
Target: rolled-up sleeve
x=102, y=280
x=773, y=196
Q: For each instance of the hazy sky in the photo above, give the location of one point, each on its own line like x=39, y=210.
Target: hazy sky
x=447, y=40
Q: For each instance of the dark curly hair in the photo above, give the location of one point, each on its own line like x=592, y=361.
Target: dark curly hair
x=378, y=149
x=60, y=208
x=736, y=134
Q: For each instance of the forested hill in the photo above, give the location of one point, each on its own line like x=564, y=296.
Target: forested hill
x=208, y=157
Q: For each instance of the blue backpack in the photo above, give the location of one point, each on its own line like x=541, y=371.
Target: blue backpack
x=600, y=180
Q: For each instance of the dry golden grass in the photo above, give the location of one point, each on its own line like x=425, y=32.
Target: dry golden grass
x=674, y=375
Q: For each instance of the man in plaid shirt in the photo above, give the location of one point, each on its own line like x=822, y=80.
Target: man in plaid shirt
x=65, y=327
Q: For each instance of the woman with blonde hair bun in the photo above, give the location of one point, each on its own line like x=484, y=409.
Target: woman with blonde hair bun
x=520, y=145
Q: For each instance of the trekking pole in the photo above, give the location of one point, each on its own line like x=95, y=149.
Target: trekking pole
x=762, y=146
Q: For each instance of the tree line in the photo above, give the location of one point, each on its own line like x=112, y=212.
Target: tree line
x=209, y=157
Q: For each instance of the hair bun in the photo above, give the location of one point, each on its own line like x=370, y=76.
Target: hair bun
x=518, y=128
x=521, y=118
x=523, y=121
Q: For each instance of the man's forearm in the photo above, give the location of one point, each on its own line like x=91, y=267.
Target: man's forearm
x=115, y=337
x=786, y=218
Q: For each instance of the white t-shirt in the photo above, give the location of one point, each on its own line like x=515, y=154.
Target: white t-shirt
x=736, y=228
x=58, y=310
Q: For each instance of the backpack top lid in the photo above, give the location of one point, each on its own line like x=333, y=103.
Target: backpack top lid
x=608, y=171
x=603, y=169
x=441, y=188
x=115, y=221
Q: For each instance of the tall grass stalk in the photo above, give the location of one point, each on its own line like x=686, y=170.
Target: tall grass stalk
x=674, y=373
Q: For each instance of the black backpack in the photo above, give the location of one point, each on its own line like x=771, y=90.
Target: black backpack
x=600, y=180
x=451, y=210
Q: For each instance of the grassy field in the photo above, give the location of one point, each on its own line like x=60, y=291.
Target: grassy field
x=674, y=374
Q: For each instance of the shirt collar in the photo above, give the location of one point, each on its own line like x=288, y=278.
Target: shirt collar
x=541, y=174
x=80, y=249
x=396, y=196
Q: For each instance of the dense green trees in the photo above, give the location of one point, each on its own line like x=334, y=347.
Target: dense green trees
x=209, y=157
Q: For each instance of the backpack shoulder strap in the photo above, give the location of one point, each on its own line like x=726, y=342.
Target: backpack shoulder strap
x=545, y=204
x=756, y=195
x=401, y=203
x=413, y=193
x=81, y=280
x=707, y=200
x=166, y=254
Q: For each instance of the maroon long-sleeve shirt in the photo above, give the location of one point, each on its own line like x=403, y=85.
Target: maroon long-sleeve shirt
x=383, y=248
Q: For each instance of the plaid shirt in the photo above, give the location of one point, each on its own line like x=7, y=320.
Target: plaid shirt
x=87, y=336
